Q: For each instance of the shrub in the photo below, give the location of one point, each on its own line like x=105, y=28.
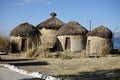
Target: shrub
x=4, y=43
x=43, y=51
x=65, y=56
x=70, y=55
x=115, y=51
x=29, y=53
x=39, y=52
x=105, y=52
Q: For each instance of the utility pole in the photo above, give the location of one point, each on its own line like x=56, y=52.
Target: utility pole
x=114, y=35
x=89, y=25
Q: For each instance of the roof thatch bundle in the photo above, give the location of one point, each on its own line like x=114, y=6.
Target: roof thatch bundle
x=72, y=28
x=51, y=23
x=101, y=31
x=25, y=30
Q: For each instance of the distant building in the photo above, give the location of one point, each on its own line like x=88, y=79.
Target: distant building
x=48, y=29
x=24, y=36
x=99, y=40
x=71, y=37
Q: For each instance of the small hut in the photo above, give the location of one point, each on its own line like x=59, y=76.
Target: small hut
x=24, y=36
x=98, y=41
x=71, y=37
x=48, y=29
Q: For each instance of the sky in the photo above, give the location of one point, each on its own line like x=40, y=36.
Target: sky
x=99, y=12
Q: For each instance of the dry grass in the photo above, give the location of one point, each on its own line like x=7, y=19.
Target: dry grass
x=29, y=53
x=74, y=66
x=103, y=68
x=39, y=52
x=4, y=43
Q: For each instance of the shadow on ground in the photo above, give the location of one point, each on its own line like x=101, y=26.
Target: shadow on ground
x=23, y=62
x=31, y=79
x=37, y=63
x=13, y=60
x=96, y=75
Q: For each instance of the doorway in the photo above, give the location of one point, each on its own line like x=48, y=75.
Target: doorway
x=24, y=45
x=89, y=45
x=67, y=43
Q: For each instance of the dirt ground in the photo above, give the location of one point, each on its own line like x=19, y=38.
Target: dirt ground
x=103, y=68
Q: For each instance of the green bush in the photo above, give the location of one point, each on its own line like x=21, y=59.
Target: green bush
x=4, y=43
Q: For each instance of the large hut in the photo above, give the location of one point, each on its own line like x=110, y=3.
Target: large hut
x=71, y=37
x=99, y=41
x=48, y=29
x=24, y=36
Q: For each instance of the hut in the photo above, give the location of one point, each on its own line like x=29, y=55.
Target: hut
x=71, y=37
x=98, y=41
x=24, y=36
x=48, y=29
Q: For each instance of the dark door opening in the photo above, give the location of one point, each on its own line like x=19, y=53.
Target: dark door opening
x=24, y=45
x=89, y=45
x=67, y=43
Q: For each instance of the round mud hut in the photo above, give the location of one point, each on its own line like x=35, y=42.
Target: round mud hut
x=48, y=29
x=24, y=36
x=71, y=37
x=99, y=41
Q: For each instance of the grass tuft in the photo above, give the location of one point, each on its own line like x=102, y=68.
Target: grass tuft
x=4, y=43
x=29, y=53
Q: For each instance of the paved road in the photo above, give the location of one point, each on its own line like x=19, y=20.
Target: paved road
x=6, y=74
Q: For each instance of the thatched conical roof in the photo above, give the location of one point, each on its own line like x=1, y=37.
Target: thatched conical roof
x=72, y=28
x=51, y=23
x=25, y=30
x=101, y=31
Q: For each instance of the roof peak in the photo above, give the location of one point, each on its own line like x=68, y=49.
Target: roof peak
x=53, y=14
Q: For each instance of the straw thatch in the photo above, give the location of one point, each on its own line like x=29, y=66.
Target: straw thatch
x=72, y=28
x=51, y=23
x=25, y=30
x=101, y=31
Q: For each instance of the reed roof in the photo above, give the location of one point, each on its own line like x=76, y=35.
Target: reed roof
x=25, y=30
x=72, y=28
x=101, y=31
x=51, y=23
